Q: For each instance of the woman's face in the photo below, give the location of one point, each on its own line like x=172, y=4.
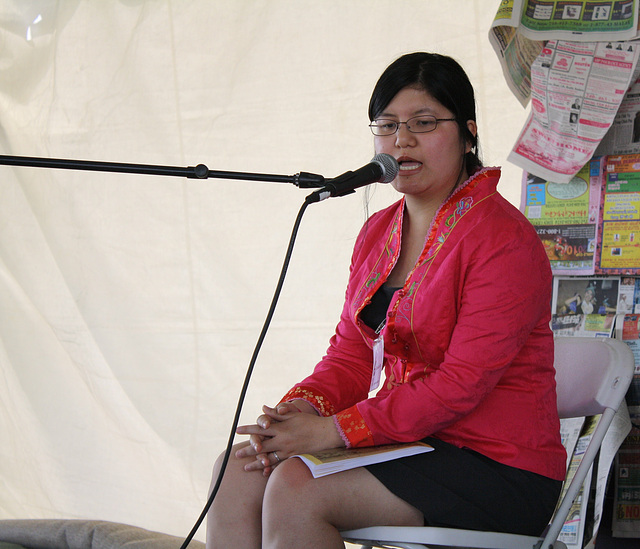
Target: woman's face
x=431, y=164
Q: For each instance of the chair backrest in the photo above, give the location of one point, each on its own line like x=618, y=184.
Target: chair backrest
x=591, y=374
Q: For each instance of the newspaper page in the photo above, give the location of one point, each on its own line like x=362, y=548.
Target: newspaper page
x=515, y=51
x=587, y=20
x=628, y=297
x=618, y=250
x=623, y=136
x=577, y=88
x=615, y=436
x=584, y=306
x=626, y=505
x=521, y=27
x=569, y=433
x=565, y=216
x=572, y=532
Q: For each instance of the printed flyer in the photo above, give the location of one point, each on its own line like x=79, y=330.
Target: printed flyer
x=565, y=216
x=619, y=230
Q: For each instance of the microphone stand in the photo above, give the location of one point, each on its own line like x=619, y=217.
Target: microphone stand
x=302, y=180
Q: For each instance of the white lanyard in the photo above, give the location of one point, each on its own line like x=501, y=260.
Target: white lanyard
x=378, y=358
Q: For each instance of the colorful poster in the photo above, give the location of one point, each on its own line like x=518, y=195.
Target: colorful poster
x=619, y=231
x=565, y=217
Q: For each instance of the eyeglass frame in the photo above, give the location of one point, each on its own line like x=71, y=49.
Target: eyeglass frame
x=398, y=123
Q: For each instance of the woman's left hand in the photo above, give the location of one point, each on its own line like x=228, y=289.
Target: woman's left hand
x=281, y=433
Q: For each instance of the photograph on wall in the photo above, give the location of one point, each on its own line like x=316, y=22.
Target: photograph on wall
x=584, y=306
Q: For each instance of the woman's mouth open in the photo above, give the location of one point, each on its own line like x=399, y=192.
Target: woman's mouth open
x=408, y=166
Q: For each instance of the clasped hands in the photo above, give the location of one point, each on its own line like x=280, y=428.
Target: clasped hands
x=284, y=431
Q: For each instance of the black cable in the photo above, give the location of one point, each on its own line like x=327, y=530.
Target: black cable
x=274, y=301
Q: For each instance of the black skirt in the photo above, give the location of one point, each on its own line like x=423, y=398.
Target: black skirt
x=460, y=488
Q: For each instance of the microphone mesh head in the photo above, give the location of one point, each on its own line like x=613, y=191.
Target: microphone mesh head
x=389, y=167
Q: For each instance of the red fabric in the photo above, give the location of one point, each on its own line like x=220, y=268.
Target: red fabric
x=468, y=348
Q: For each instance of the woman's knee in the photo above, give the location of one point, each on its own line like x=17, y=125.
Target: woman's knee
x=289, y=479
x=234, y=476
x=234, y=519
x=289, y=493
x=218, y=465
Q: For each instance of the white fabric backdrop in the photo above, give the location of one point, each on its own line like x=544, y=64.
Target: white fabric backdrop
x=130, y=305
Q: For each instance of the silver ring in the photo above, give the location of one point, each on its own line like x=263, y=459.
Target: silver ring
x=275, y=455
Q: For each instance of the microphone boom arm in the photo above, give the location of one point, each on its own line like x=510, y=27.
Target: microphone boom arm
x=303, y=180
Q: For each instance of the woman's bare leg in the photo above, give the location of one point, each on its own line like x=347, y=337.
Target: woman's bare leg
x=234, y=519
x=300, y=511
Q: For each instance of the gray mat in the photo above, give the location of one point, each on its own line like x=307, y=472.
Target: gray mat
x=83, y=534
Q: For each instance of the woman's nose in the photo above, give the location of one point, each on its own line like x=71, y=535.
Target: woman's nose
x=404, y=137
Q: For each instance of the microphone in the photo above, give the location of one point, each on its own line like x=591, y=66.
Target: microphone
x=383, y=168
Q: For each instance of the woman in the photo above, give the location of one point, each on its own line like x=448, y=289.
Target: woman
x=589, y=302
x=451, y=285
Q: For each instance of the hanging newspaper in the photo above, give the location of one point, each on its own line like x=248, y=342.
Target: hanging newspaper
x=618, y=432
x=577, y=88
x=521, y=27
x=515, y=51
x=628, y=296
x=583, y=522
x=572, y=532
x=623, y=137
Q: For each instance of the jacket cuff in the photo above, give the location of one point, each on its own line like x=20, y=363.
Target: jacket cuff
x=353, y=428
x=320, y=403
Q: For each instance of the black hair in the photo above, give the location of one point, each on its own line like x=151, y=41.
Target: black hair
x=441, y=77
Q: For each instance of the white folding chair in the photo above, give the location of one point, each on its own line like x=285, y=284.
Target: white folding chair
x=592, y=377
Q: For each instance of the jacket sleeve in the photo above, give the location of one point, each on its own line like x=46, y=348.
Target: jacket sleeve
x=504, y=298
x=343, y=376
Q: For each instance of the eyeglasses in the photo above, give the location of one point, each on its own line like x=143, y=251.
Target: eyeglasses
x=418, y=124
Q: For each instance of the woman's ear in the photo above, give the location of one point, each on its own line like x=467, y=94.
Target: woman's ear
x=473, y=130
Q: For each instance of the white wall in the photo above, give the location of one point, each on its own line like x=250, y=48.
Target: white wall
x=130, y=305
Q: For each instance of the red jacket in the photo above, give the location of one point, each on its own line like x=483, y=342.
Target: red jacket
x=468, y=347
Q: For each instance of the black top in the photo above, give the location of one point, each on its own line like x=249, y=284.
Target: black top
x=375, y=313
